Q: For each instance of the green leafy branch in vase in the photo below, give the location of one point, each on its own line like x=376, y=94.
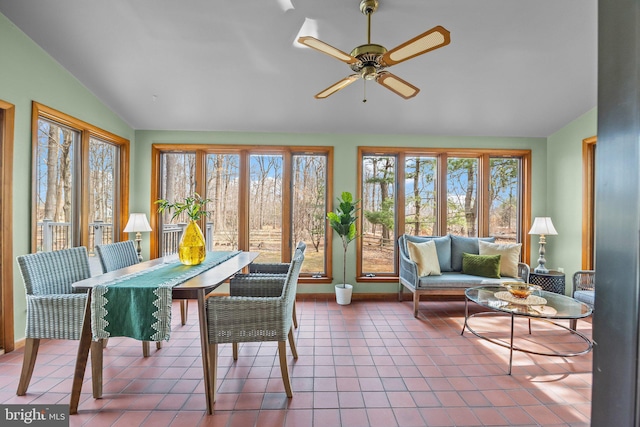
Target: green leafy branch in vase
x=195, y=207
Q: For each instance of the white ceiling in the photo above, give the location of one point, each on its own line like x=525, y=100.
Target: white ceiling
x=513, y=68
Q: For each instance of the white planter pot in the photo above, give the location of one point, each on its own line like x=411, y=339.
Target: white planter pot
x=343, y=295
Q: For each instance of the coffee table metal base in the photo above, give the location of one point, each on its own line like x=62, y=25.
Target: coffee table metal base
x=510, y=345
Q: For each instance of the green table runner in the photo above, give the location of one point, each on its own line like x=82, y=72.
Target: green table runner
x=138, y=305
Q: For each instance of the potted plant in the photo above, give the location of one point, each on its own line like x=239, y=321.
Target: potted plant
x=192, y=247
x=343, y=222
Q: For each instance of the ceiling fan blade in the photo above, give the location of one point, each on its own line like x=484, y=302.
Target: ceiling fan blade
x=337, y=86
x=397, y=85
x=321, y=46
x=425, y=42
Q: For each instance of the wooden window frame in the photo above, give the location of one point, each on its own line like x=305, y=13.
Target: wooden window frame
x=442, y=154
x=245, y=153
x=7, y=118
x=588, y=201
x=86, y=130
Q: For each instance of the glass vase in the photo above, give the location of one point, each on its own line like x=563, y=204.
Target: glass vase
x=192, y=249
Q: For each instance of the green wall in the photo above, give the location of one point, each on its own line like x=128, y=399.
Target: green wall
x=564, y=194
x=29, y=74
x=344, y=179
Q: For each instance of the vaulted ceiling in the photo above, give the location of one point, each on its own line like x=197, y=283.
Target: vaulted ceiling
x=513, y=68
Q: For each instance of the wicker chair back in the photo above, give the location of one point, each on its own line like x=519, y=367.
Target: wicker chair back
x=47, y=273
x=114, y=256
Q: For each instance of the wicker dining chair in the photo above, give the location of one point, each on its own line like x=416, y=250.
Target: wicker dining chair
x=263, y=285
x=584, y=289
x=280, y=268
x=114, y=256
x=54, y=310
x=234, y=319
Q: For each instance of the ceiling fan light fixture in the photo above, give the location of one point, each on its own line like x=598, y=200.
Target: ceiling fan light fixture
x=369, y=72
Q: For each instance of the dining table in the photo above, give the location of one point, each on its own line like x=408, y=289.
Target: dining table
x=196, y=287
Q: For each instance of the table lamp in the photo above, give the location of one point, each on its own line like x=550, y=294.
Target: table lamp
x=542, y=226
x=137, y=224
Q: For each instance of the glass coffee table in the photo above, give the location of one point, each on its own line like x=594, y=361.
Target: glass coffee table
x=543, y=305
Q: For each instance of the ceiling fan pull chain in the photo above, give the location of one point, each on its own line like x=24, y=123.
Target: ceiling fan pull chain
x=364, y=99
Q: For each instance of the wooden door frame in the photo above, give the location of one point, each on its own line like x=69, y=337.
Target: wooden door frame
x=7, y=343
x=588, y=201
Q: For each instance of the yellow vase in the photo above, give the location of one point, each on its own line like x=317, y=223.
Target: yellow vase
x=192, y=249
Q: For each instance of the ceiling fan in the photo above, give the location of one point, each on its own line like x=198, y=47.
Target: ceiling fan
x=369, y=61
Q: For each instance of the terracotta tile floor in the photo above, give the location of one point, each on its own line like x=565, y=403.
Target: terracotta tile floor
x=367, y=364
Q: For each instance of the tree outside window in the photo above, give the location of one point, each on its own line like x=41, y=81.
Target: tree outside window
x=263, y=200
x=75, y=161
x=463, y=192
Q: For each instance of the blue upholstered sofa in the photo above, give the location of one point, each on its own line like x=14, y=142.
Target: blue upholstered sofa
x=452, y=281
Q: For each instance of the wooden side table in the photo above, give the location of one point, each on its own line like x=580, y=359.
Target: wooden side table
x=553, y=281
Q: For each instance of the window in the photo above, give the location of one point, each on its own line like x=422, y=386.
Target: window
x=177, y=182
x=309, y=209
x=504, y=199
x=265, y=206
x=103, y=164
x=223, y=179
x=80, y=186
x=378, y=209
x=435, y=192
x=263, y=199
x=462, y=196
x=421, y=214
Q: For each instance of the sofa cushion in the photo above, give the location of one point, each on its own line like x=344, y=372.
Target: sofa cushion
x=509, y=255
x=443, y=248
x=481, y=265
x=452, y=280
x=460, y=245
x=587, y=297
x=425, y=256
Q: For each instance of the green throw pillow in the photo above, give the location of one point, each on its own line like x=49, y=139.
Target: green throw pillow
x=481, y=265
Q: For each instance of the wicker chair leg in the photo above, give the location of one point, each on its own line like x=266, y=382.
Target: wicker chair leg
x=295, y=317
x=184, y=310
x=416, y=304
x=282, y=351
x=234, y=347
x=30, y=353
x=158, y=345
x=292, y=344
x=400, y=289
x=105, y=342
x=145, y=349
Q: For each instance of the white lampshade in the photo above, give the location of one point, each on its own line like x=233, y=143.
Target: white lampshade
x=137, y=223
x=543, y=225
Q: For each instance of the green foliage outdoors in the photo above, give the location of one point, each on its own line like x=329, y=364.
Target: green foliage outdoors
x=384, y=216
